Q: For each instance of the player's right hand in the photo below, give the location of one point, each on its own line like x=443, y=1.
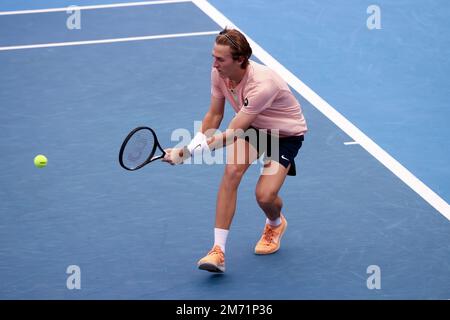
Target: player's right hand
x=175, y=155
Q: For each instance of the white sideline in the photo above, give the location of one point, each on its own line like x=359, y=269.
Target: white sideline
x=100, y=6
x=79, y=43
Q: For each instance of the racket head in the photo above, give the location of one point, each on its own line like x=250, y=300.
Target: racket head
x=139, y=148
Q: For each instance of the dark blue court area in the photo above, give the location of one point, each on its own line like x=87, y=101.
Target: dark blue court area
x=138, y=235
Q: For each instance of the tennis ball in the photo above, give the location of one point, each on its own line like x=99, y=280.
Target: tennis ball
x=40, y=161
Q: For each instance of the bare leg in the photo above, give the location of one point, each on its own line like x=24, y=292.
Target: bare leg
x=268, y=187
x=238, y=161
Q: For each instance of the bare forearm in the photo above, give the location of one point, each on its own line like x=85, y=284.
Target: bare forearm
x=223, y=139
x=235, y=129
x=210, y=123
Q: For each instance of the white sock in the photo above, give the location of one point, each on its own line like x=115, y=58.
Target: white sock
x=274, y=223
x=220, y=238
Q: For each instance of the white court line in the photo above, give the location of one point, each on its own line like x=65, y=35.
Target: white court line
x=349, y=128
x=350, y=143
x=79, y=43
x=100, y=6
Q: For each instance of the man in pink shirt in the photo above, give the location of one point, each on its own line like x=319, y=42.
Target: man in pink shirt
x=266, y=108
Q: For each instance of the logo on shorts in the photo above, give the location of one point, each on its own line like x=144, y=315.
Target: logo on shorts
x=245, y=102
x=283, y=157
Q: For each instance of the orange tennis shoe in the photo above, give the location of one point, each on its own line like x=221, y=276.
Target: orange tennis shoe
x=214, y=261
x=271, y=238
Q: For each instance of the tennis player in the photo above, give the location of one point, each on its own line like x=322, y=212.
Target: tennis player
x=266, y=108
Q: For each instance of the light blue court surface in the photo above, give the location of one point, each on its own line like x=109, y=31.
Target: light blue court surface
x=137, y=235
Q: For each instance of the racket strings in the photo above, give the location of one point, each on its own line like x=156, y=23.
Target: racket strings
x=138, y=148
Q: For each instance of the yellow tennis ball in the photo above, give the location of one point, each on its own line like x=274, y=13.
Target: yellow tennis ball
x=40, y=161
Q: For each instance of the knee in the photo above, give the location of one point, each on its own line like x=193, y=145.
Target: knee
x=233, y=174
x=265, y=196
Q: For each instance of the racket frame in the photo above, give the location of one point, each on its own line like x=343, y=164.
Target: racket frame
x=151, y=156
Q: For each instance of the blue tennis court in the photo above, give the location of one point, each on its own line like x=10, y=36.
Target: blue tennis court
x=365, y=196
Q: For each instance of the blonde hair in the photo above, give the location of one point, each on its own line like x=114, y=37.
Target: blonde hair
x=238, y=44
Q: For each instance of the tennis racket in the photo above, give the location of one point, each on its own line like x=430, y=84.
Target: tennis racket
x=139, y=149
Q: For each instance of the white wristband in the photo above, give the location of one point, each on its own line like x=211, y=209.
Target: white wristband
x=198, y=144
